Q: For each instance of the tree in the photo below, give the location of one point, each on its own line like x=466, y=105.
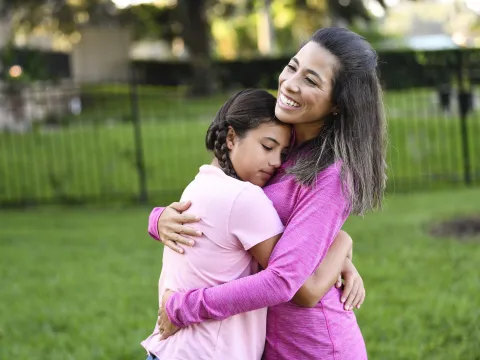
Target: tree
x=189, y=19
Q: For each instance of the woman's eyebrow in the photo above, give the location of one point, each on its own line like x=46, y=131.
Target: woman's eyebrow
x=310, y=71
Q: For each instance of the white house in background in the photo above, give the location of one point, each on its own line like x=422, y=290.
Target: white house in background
x=102, y=54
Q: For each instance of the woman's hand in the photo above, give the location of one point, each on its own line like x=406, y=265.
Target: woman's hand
x=353, y=294
x=171, y=226
x=167, y=329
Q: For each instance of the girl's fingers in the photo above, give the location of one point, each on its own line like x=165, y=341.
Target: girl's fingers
x=347, y=289
x=351, y=297
x=358, y=298
x=338, y=284
x=173, y=245
x=363, y=298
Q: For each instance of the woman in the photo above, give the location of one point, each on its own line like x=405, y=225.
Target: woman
x=331, y=94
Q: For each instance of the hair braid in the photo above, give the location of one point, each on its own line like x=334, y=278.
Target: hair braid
x=221, y=151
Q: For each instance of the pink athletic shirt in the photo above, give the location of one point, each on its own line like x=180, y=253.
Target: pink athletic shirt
x=235, y=215
x=312, y=216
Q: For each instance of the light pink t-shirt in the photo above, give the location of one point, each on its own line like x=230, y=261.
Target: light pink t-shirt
x=235, y=215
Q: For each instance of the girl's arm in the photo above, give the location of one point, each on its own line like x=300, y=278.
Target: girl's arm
x=319, y=214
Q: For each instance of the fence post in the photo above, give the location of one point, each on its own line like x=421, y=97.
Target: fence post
x=465, y=100
x=138, y=143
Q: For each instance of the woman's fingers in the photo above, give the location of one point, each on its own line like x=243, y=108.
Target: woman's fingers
x=179, y=239
x=180, y=206
x=185, y=230
x=185, y=218
x=351, y=297
x=173, y=245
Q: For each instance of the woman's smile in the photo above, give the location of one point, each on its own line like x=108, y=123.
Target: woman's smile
x=287, y=103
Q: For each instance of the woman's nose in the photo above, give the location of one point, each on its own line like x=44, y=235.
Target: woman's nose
x=291, y=84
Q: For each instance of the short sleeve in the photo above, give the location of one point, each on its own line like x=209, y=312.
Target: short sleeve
x=253, y=217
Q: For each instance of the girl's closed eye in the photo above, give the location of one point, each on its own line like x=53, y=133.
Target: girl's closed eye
x=291, y=67
x=311, y=82
x=267, y=147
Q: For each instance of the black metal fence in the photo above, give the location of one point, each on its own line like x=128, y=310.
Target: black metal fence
x=63, y=143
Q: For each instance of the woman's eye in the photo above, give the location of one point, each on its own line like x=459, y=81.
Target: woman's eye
x=291, y=67
x=267, y=148
x=310, y=81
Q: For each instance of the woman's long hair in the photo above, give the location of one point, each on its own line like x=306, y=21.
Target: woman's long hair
x=356, y=136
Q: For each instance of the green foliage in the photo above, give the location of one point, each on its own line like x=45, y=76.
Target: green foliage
x=152, y=22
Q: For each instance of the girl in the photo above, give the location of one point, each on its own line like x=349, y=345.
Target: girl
x=238, y=222
x=330, y=93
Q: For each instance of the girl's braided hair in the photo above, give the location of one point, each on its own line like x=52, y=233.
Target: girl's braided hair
x=244, y=111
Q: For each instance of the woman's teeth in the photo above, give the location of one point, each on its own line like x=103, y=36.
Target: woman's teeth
x=287, y=101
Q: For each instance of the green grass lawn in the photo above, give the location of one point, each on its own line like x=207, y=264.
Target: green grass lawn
x=80, y=283
x=95, y=156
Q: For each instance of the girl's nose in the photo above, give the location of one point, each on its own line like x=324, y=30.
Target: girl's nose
x=275, y=162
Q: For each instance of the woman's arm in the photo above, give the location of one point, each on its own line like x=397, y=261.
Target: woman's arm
x=171, y=220
x=319, y=214
x=153, y=222
x=325, y=276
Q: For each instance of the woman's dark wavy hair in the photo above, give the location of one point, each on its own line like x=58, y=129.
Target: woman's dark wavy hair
x=356, y=136
x=244, y=111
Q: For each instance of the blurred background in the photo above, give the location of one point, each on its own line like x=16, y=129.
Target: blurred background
x=104, y=105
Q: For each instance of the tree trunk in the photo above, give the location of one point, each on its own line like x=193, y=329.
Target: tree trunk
x=265, y=29
x=196, y=35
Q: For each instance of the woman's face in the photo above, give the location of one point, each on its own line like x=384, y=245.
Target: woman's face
x=256, y=156
x=305, y=86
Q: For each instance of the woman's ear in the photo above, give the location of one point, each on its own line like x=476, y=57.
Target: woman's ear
x=231, y=137
x=335, y=110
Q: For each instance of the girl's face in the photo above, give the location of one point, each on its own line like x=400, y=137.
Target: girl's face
x=305, y=86
x=256, y=156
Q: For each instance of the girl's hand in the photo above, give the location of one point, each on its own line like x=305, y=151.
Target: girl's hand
x=353, y=294
x=167, y=329
x=338, y=284
x=171, y=226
